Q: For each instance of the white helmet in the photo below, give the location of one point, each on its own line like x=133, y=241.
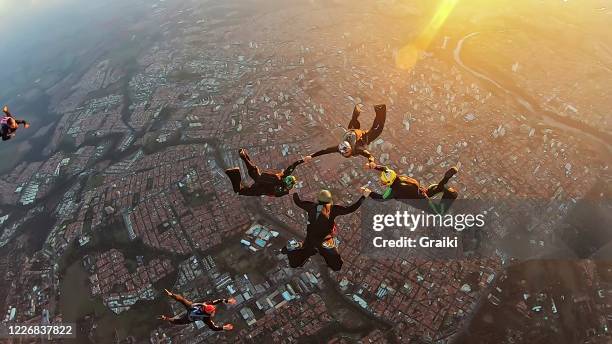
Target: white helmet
x=345, y=148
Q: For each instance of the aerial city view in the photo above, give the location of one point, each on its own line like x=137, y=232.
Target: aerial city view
x=222, y=171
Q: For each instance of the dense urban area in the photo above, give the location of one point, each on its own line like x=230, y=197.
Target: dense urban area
x=119, y=192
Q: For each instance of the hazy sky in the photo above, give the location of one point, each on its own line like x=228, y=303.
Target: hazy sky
x=33, y=32
x=11, y=5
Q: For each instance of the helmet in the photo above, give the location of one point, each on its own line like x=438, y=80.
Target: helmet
x=324, y=196
x=388, y=176
x=210, y=309
x=350, y=137
x=345, y=148
x=289, y=181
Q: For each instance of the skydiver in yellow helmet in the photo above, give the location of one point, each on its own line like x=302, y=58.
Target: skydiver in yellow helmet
x=321, y=231
x=402, y=187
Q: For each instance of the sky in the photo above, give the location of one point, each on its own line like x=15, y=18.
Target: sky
x=34, y=33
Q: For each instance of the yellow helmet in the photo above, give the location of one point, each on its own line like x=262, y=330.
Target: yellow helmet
x=325, y=196
x=388, y=176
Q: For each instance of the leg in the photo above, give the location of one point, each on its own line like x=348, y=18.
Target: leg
x=249, y=191
x=441, y=186
x=234, y=176
x=448, y=175
x=252, y=169
x=378, y=124
x=177, y=319
x=182, y=300
x=448, y=197
x=299, y=257
x=354, y=123
x=332, y=258
x=4, y=132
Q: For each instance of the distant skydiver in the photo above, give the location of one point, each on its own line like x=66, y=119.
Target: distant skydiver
x=320, y=232
x=402, y=187
x=266, y=183
x=9, y=125
x=197, y=311
x=356, y=140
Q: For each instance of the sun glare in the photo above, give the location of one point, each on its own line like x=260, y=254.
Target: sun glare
x=408, y=56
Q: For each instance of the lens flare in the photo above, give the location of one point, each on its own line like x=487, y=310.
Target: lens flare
x=408, y=56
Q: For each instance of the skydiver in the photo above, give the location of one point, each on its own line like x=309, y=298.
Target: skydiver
x=321, y=231
x=266, y=182
x=204, y=312
x=402, y=187
x=356, y=140
x=9, y=125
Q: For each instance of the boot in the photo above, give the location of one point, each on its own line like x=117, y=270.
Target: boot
x=447, y=176
x=380, y=108
x=357, y=111
x=234, y=176
x=450, y=173
x=243, y=153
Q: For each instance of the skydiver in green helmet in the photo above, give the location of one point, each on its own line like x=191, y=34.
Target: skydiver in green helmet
x=401, y=187
x=272, y=183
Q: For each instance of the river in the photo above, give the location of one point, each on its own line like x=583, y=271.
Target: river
x=600, y=139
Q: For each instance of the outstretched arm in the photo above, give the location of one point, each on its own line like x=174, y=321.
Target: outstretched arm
x=211, y=324
x=342, y=210
x=367, y=154
x=329, y=150
x=388, y=194
x=376, y=195
x=22, y=122
x=217, y=301
x=302, y=204
x=289, y=170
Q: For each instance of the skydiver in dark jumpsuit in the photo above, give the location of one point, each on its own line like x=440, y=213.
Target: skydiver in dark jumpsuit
x=356, y=140
x=204, y=312
x=266, y=182
x=321, y=231
x=9, y=125
x=402, y=187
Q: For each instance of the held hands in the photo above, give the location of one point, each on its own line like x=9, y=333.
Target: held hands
x=365, y=191
x=231, y=301
x=370, y=165
x=228, y=327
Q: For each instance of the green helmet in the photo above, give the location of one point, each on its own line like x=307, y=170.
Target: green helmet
x=289, y=181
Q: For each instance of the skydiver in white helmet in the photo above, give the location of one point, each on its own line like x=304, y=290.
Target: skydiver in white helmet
x=356, y=140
